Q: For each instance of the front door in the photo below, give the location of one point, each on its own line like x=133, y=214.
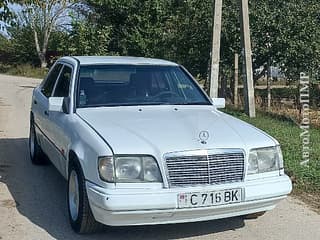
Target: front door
x=59, y=120
x=40, y=106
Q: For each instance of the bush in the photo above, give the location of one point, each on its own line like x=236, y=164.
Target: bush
x=4, y=68
x=25, y=70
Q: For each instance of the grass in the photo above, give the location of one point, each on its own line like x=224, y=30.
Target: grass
x=25, y=70
x=305, y=178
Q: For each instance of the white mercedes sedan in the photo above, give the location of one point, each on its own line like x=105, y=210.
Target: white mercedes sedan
x=141, y=143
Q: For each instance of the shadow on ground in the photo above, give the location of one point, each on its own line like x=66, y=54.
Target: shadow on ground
x=39, y=195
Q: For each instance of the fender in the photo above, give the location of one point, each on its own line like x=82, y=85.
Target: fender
x=87, y=150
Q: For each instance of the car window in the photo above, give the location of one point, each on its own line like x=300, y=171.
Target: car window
x=48, y=85
x=123, y=85
x=63, y=84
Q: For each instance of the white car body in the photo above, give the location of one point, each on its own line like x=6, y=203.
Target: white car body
x=157, y=131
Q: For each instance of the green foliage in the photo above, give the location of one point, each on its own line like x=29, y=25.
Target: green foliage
x=86, y=39
x=288, y=135
x=188, y=35
x=133, y=24
x=21, y=48
x=285, y=32
x=5, y=13
x=292, y=30
x=175, y=30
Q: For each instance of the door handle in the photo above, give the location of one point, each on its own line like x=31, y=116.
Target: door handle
x=35, y=102
x=46, y=113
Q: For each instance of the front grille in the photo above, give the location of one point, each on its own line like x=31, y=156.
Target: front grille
x=205, y=167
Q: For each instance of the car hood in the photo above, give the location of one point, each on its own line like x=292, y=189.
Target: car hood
x=162, y=129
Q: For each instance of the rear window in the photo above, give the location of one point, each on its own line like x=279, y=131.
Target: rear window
x=107, y=75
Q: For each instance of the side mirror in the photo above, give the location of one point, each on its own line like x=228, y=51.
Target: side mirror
x=219, y=102
x=55, y=104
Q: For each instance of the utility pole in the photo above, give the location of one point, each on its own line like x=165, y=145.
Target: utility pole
x=236, y=79
x=247, y=60
x=215, y=52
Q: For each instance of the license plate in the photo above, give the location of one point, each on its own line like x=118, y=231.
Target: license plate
x=206, y=199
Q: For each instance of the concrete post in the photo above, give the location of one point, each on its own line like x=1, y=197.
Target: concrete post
x=236, y=79
x=215, y=53
x=247, y=60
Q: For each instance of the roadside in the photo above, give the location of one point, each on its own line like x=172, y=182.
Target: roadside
x=32, y=198
x=312, y=199
x=306, y=180
x=24, y=70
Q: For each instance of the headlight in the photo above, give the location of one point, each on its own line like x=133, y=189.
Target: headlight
x=105, y=167
x=265, y=160
x=151, y=171
x=130, y=169
x=137, y=169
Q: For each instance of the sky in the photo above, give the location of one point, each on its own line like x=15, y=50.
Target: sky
x=3, y=30
x=3, y=25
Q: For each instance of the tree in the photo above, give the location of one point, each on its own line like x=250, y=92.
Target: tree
x=20, y=48
x=85, y=38
x=176, y=30
x=286, y=32
x=188, y=31
x=5, y=13
x=44, y=17
x=133, y=25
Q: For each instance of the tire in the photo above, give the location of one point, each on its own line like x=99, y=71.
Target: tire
x=79, y=211
x=36, y=154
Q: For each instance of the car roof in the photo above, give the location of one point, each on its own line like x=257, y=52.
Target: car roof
x=91, y=60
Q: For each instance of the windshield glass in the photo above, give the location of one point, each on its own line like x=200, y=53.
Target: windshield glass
x=125, y=85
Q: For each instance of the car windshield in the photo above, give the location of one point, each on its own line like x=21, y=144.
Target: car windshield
x=126, y=85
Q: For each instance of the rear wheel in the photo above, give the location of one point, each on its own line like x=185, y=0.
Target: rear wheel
x=80, y=214
x=36, y=154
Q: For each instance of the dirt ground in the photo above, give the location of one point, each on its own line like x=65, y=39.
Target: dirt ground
x=33, y=198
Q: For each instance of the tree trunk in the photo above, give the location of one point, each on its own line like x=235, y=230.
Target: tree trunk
x=43, y=60
x=41, y=54
x=44, y=16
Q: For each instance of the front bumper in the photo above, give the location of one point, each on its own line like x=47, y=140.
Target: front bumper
x=121, y=207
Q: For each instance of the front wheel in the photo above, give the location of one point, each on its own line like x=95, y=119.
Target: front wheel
x=80, y=214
